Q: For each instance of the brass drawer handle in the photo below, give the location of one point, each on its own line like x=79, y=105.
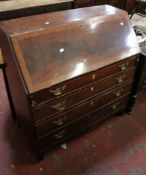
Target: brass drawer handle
x=124, y=66
x=119, y=92
x=60, y=121
x=59, y=106
x=58, y=91
x=120, y=79
x=115, y=105
x=59, y=135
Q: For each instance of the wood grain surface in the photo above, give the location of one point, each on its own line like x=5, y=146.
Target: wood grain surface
x=51, y=56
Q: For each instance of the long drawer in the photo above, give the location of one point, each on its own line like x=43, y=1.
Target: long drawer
x=79, y=96
x=81, y=81
x=81, y=124
x=75, y=113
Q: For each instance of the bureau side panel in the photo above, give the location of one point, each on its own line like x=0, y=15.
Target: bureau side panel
x=18, y=93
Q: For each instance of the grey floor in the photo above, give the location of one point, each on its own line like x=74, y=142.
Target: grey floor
x=140, y=22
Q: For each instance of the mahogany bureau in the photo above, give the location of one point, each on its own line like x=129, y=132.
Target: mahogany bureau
x=69, y=70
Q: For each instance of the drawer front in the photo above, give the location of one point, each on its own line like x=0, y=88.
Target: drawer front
x=109, y=109
x=66, y=87
x=62, y=120
x=60, y=135
x=64, y=133
x=75, y=98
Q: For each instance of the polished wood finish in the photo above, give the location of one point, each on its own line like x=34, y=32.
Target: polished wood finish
x=40, y=65
x=64, y=134
x=43, y=96
x=79, y=111
x=49, y=111
x=22, y=25
x=71, y=69
x=76, y=97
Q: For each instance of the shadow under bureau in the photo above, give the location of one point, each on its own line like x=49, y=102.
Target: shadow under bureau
x=69, y=70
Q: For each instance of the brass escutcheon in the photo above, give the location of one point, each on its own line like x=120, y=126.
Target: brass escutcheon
x=58, y=91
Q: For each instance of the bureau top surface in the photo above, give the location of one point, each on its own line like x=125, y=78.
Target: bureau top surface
x=47, y=20
x=50, y=55
x=7, y=5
